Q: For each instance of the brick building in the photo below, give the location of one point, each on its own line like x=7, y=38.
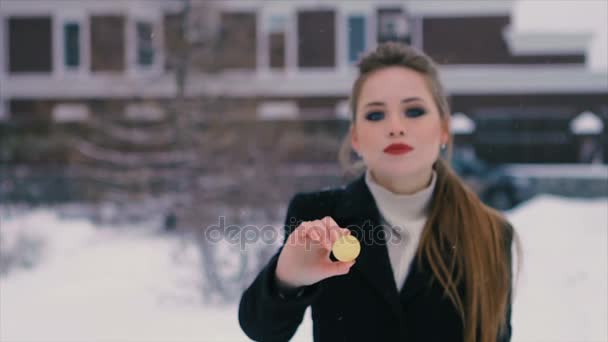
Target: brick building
x=294, y=61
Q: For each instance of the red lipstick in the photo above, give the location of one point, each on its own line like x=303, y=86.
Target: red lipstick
x=398, y=148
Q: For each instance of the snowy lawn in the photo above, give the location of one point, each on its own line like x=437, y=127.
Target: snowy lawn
x=96, y=284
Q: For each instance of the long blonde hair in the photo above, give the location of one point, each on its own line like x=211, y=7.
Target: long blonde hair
x=477, y=237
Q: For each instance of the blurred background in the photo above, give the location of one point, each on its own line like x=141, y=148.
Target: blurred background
x=131, y=130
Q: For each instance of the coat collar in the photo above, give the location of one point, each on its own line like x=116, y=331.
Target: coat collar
x=357, y=210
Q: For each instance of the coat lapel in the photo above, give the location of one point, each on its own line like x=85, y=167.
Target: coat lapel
x=357, y=211
x=418, y=278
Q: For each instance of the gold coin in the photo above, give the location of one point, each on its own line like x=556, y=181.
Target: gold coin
x=346, y=248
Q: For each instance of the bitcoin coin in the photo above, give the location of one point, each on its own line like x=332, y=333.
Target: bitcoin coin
x=346, y=248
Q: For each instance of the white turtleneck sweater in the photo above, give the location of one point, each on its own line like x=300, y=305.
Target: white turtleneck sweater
x=406, y=215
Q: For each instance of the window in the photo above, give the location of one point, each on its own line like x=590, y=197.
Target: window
x=145, y=44
x=107, y=43
x=173, y=40
x=317, y=39
x=276, y=42
x=30, y=45
x=356, y=37
x=393, y=25
x=238, y=40
x=71, y=39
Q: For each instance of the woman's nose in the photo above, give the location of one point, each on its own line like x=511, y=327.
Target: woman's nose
x=395, y=127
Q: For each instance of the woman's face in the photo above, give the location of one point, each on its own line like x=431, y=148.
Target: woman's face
x=395, y=106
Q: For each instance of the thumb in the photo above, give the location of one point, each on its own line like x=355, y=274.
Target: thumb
x=340, y=267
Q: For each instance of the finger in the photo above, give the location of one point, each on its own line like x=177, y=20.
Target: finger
x=292, y=239
x=313, y=233
x=330, y=222
x=320, y=228
x=334, y=234
x=346, y=266
x=333, y=230
x=341, y=268
x=299, y=234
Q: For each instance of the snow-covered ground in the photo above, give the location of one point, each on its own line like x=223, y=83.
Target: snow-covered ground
x=96, y=284
x=563, y=291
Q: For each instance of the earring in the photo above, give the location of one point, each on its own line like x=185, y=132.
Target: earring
x=443, y=146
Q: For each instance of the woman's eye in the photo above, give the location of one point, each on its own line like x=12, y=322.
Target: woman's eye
x=374, y=116
x=415, y=112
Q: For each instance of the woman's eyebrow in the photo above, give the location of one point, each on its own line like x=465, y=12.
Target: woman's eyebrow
x=376, y=103
x=411, y=99
x=406, y=100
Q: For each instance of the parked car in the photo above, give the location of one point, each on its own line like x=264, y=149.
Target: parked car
x=494, y=186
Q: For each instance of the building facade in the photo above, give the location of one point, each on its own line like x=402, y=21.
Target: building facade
x=63, y=61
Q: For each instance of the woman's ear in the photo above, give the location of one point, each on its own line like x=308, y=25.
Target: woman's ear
x=445, y=134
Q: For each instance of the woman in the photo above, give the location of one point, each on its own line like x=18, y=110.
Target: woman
x=435, y=263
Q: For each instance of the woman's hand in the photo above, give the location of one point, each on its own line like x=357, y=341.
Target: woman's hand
x=305, y=260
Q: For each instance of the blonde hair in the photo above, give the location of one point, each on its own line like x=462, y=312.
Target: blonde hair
x=476, y=237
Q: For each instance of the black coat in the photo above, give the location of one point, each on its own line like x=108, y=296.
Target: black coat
x=363, y=305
